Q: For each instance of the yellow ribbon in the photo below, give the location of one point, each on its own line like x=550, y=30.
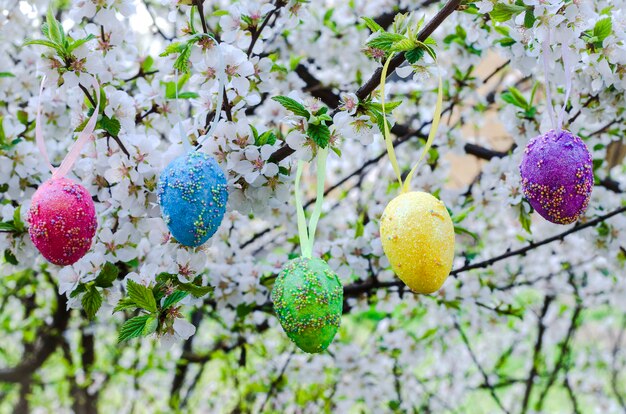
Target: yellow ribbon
x=386, y=133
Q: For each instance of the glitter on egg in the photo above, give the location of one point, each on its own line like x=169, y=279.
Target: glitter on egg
x=193, y=193
x=62, y=219
x=557, y=176
x=417, y=235
x=308, y=301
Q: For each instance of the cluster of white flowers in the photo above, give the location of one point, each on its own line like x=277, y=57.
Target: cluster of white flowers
x=395, y=352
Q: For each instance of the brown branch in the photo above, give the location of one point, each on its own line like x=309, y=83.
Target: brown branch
x=356, y=289
x=275, y=382
x=564, y=348
x=486, y=382
x=530, y=381
x=374, y=81
x=256, y=34
x=48, y=338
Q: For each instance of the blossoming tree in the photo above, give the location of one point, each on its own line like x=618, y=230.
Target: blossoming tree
x=532, y=318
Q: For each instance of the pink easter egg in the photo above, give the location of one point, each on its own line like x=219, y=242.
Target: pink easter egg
x=62, y=220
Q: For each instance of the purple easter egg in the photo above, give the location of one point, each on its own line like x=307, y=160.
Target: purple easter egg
x=557, y=176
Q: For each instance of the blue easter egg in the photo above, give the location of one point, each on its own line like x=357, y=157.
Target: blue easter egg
x=192, y=192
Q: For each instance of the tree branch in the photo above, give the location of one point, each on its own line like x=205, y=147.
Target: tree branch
x=374, y=81
x=530, y=381
x=356, y=289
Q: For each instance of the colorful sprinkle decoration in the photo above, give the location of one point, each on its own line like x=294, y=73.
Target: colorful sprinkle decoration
x=557, y=176
x=62, y=215
x=193, y=193
x=308, y=301
x=416, y=230
x=62, y=221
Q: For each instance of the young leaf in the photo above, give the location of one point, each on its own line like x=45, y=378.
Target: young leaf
x=524, y=218
x=372, y=25
x=402, y=45
x=182, y=61
x=268, y=137
x=503, y=12
x=175, y=47
x=54, y=29
x=110, y=125
x=77, y=43
x=141, y=295
x=133, y=328
x=124, y=303
x=91, y=301
x=414, y=55
x=292, y=105
x=174, y=298
x=195, y=290
x=529, y=18
x=151, y=326
x=79, y=289
x=603, y=28
x=385, y=41
x=107, y=275
x=320, y=134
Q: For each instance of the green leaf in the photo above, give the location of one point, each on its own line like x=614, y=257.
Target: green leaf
x=515, y=97
x=141, y=295
x=175, y=47
x=603, y=28
x=79, y=289
x=6, y=75
x=174, y=298
x=46, y=43
x=389, y=106
x=22, y=116
x=503, y=12
x=402, y=45
x=77, y=43
x=17, y=220
x=529, y=18
x=187, y=95
x=134, y=327
x=182, y=61
x=125, y=303
x=107, y=275
x=9, y=257
x=147, y=63
x=320, y=134
x=110, y=125
x=268, y=137
x=524, y=218
x=54, y=29
x=195, y=290
x=414, y=55
x=372, y=25
x=151, y=326
x=92, y=300
x=292, y=105
x=385, y=41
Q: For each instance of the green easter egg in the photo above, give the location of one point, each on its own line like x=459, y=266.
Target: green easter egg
x=308, y=300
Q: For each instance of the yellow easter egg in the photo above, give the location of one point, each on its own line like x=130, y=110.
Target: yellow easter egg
x=418, y=238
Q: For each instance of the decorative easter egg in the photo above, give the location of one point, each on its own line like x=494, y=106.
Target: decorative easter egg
x=308, y=300
x=557, y=176
x=62, y=220
x=192, y=192
x=418, y=238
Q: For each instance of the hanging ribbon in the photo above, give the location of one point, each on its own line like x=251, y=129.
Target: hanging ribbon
x=307, y=233
x=568, y=66
x=221, y=79
x=81, y=140
x=181, y=130
x=406, y=185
